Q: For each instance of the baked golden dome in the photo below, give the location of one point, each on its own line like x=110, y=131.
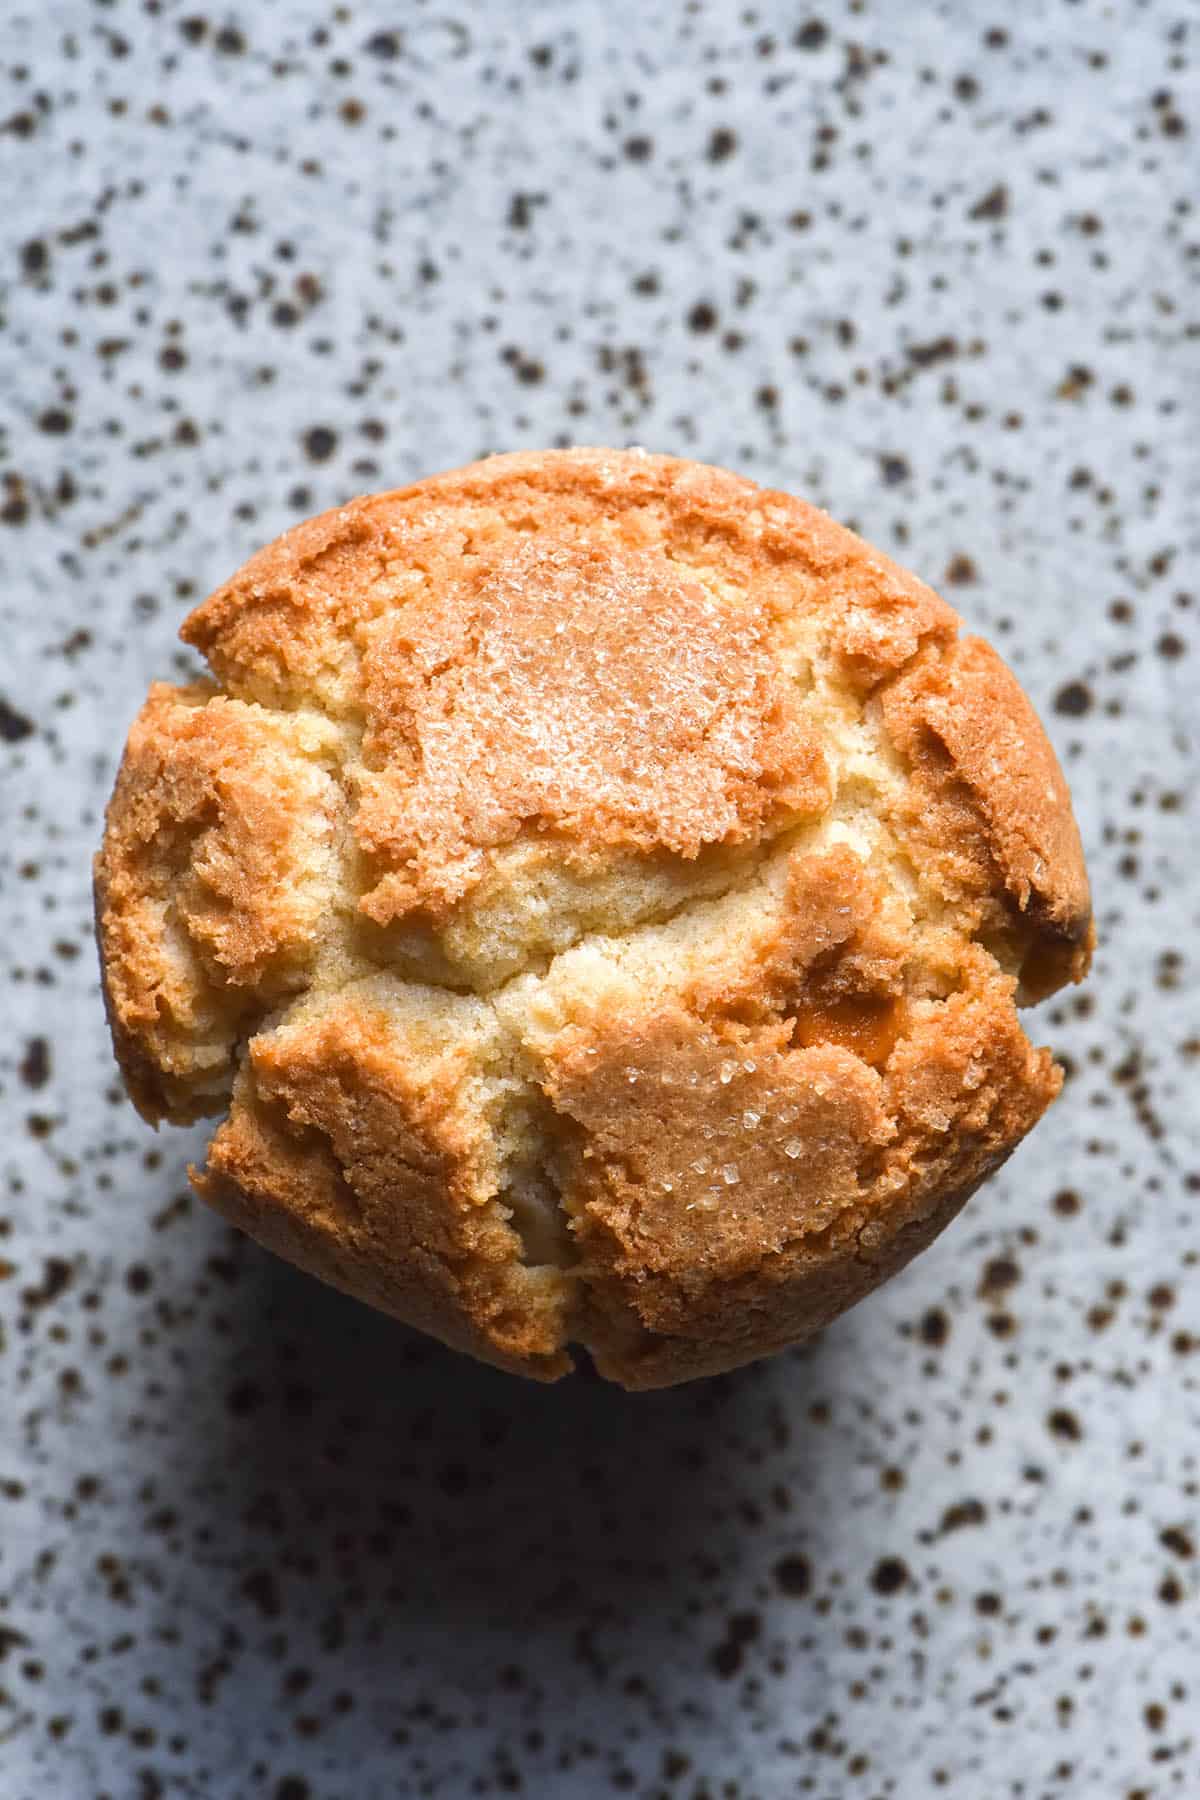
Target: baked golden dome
x=595, y=893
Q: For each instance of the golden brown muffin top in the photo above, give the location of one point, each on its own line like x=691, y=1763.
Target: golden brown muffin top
x=609, y=883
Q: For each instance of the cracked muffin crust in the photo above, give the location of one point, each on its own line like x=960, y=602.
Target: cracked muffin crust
x=597, y=891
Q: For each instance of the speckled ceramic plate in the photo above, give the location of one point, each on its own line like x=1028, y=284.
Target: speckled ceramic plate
x=933, y=266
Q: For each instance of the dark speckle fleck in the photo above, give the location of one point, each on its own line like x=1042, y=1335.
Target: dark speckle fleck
x=961, y=571
x=56, y=1278
x=320, y=442
x=13, y=724
x=793, y=1575
x=889, y=1575
x=962, y=1514
x=811, y=35
x=386, y=45
x=262, y=1590
x=34, y=1067
x=993, y=204
x=1073, y=700
x=935, y=1327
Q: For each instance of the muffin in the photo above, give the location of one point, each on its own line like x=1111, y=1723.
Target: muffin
x=595, y=894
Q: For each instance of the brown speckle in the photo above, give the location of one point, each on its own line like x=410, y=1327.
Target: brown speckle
x=320, y=442
x=992, y=205
x=889, y=1575
x=34, y=1066
x=14, y=726
x=793, y=1575
x=1073, y=700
